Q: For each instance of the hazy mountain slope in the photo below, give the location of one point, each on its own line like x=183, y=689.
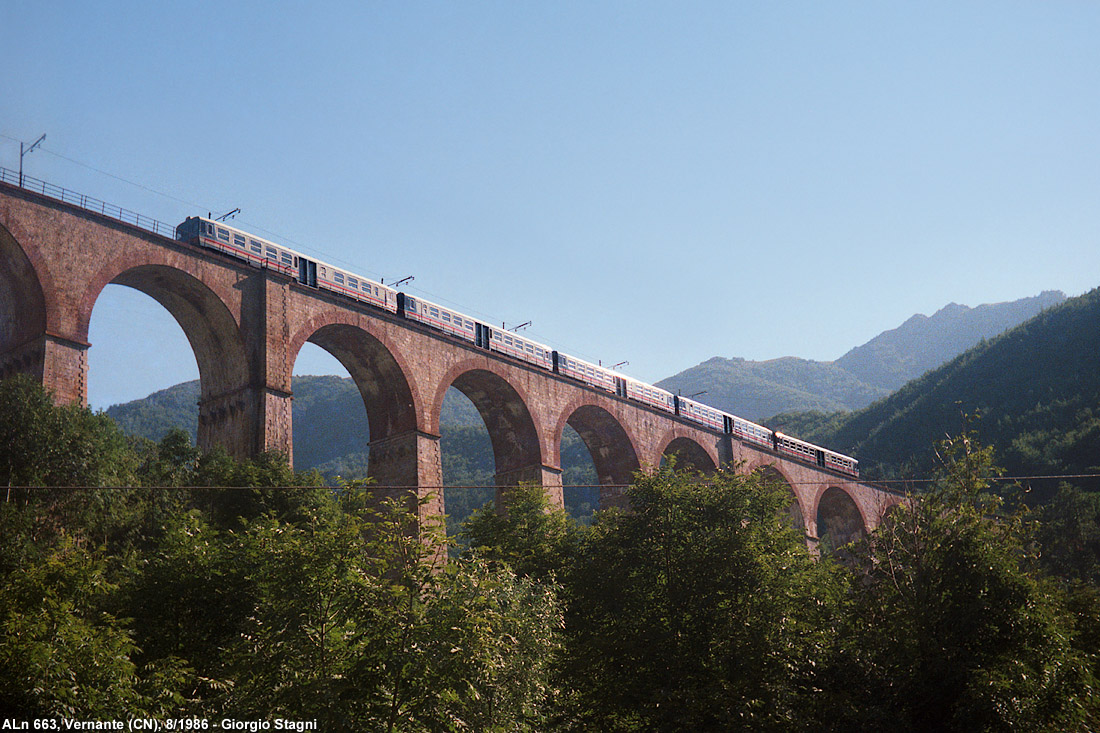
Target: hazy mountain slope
x=759, y=389
x=153, y=416
x=756, y=389
x=894, y=357
x=1037, y=388
x=331, y=434
x=329, y=420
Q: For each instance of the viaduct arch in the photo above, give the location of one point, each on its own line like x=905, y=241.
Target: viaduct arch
x=246, y=325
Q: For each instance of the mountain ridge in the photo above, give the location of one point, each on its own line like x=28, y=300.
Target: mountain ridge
x=758, y=390
x=1035, y=390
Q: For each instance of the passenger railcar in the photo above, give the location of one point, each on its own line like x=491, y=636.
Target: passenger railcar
x=216, y=235
x=752, y=433
x=584, y=371
x=314, y=273
x=506, y=342
x=436, y=316
x=700, y=413
x=647, y=394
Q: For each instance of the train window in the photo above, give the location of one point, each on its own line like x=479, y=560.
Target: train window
x=496, y=335
x=434, y=312
x=272, y=253
x=353, y=283
x=508, y=340
x=446, y=317
x=238, y=239
x=339, y=277
x=255, y=246
x=324, y=271
x=530, y=349
x=288, y=260
x=223, y=235
x=209, y=228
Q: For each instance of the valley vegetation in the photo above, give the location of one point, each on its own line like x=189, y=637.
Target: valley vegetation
x=1036, y=388
x=201, y=589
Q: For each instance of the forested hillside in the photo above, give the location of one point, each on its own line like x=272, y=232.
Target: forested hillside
x=331, y=435
x=143, y=580
x=760, y=389
x=1037, y=389
x=895, y=357
x=756, y=389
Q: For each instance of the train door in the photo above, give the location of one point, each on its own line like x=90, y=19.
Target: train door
x=307, y=272
x=483, y=336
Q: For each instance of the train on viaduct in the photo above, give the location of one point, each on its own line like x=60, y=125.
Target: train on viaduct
x=246, y=324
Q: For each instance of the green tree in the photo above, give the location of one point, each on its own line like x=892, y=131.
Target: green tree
x=951, y=627
x=699, y=610
x=529, y=535
x=1069, y=535
x=313, y=591
x=62, y=653
x=43, y=444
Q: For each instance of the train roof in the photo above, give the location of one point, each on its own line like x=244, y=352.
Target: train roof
x=514, y=335
x=329, y=265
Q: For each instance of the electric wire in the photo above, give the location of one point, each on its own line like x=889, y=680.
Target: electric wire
x=426, y=487
x=301, y=245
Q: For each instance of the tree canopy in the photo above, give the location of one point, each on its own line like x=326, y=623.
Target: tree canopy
x=172, y=582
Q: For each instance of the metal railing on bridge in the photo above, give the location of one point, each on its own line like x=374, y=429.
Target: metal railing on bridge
x=87, y=203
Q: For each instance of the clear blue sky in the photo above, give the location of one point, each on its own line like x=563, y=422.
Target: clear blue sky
x=652, y=182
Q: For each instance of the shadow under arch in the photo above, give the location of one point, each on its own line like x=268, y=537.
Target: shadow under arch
x=395, y=449
x=774, y=477
x=690, y=456
x=839, y=520
x=228, y=411
x=608, y=443
x=206, y=321
x=22, y=311
x=517, y=449
x=380, y=378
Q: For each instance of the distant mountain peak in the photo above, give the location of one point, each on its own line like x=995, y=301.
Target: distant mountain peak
x=760, y=389
x=952, y=309
x=894, y=357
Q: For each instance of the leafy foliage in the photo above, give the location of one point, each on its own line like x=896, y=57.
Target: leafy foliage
x=44, y=445
x=701, y=609
x=252, y=601
x=1036, y=387
x=951, y=627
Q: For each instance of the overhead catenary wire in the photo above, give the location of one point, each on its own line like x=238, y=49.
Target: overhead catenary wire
x=409, y=487
x=300, y=245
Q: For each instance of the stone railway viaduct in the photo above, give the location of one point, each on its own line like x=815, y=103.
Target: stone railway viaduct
x=246, y=325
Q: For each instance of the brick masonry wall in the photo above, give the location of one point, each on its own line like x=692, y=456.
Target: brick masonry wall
x=247, y=325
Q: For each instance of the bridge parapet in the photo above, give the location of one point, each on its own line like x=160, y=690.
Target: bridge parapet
x=246, y=326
